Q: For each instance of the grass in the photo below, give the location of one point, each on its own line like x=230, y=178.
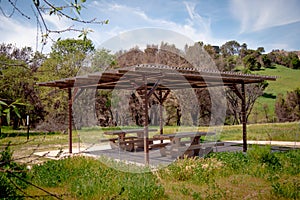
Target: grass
x=268, y=132
x=86, y=178
x=40, y=142
x=288, y=80
x=259, y=174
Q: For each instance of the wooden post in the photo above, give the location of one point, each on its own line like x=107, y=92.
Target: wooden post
x=244, y=120
x=161, y=114
x=27, y=123
x=70, y=119
x=161, y=100
x=146, y=119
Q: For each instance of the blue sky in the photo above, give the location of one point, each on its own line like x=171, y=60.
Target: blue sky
x=273, y=24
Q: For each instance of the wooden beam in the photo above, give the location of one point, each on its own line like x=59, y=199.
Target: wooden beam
x=146, y=118
x=70, y=118
x=153, y=89
x=161, y=121
x=161, y=100
x=244, y=119
x=166, y=95
x=235, y=89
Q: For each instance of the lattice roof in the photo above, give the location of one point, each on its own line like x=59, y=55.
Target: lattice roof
x=165, y=78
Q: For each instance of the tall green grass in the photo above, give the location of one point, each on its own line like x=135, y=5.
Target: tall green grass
x=259, y=174
x=86, y=178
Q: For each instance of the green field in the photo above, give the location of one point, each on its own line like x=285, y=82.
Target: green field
x=288, y=80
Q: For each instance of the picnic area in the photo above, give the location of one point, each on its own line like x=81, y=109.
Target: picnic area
x=159, y=81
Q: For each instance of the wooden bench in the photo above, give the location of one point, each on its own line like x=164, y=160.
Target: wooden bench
x=159, y=145
x=190, y=146
x=128, y=143
x=114, y=140
x=190, y=150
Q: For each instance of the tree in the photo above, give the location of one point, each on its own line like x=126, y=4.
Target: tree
x=66, y=58
x=102, y=59
x=230, y=48
x=288, y=59
x=210, y=50
x=65, y=61
x=243, y=50
x=17, y=70
x=294, y=61
x=288, y=108
x=261, y=49
x=266, y=60
x=252, y=60
x=253, y=91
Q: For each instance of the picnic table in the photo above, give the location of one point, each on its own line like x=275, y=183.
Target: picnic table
x=125, y=142
x=185, y=143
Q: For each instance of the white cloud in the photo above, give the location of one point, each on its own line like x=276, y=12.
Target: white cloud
x=56, y=23
x=256, y=15
x=17, y=33
x=122, y=18
x=142, y=37
x=24, y=34
x=125, y=18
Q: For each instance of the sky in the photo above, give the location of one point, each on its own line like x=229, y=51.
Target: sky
x=272, y=24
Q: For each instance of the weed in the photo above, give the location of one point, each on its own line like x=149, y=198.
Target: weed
x=263, y=155
x=90, y=179
x=288, y=188
x=12, y=175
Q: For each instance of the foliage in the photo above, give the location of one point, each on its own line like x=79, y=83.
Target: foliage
x=288, y=109
x=11, y=175
x=17, y=70
x=251, y=61
x=230, y=48
x=9, y=109
x=288, y=59
x=65, y=61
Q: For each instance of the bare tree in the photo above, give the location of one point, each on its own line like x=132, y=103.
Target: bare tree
x=253, y=91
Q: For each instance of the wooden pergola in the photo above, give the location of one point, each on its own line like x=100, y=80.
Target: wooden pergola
x=157, y=80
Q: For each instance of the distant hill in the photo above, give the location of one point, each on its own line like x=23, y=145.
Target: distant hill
x=288, y=80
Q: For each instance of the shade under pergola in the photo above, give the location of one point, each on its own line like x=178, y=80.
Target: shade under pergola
x=148, y=78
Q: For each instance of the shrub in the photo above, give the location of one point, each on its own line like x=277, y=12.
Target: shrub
x=11, y=175
x=232, y=160
x=288, y=109
x=264, y=156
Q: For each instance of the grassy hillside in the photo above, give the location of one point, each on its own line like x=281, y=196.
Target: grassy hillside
x=288, y=80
